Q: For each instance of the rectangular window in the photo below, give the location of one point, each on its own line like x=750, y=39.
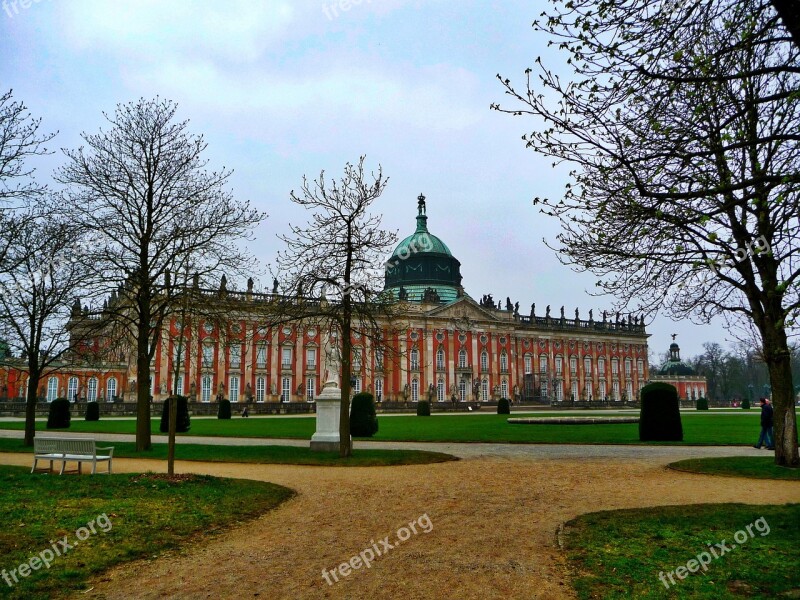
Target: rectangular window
x=261, y=388
x=615, y=387
x=440, y=390
x=357, y=360
x=111, y=389
x=414, y=360
x=261, y=356
x=236, y=356
x=357, y=385
x=415, y=390
x=310, y=389
x=233, y=388
x=379, y=359
x=311, y=359
x=208, y=356
x=528, y=364
x=286, y=358
x=205, y=388
x=179, y=389
x=504, y=363
x=440, y=360
x=462, y=359
x=91, y=395
x=484, y=362
x=543, y=364
x=485, y=390
x=504, y=389
x=627, y=367
x=573, y=365
x=614, y=366
x=462, y=390
x=379, y=390
x=286, y=388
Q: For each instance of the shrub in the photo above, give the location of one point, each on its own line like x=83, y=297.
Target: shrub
x=746, y=404
x=363, y=420
x=423, y=408
x=92, y=411
x=702, y=403
x=59, y=417
x=182, y=425
x=660, y=416
x=224, y=410
x=503, y=407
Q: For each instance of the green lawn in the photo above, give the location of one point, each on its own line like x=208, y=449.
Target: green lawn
x=287, y=455
x=755, y=467
x=619, y=554
x=700, y=428
x=132, y=516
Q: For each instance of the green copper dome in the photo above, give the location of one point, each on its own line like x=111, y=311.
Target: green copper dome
x=422, y=268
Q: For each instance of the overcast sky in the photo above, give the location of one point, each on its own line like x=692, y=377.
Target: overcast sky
x=282, y=89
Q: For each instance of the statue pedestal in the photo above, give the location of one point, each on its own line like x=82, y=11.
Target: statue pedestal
x=329, y=402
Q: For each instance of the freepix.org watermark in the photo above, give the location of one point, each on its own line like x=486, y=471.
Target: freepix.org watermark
x=714, y=552
x=12, y=7
x=45, y=558
x=366, y=557
x=760, y=245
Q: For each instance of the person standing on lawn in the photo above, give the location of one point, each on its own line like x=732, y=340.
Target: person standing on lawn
x=766, y=425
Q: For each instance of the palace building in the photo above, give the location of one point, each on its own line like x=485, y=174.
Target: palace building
x=452, y=348
x=674, y=371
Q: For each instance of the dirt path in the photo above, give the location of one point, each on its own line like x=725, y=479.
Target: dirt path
x=495, y=523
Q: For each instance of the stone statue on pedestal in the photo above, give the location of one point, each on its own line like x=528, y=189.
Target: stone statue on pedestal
x=332, y=366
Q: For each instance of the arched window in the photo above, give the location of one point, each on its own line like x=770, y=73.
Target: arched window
x=440, y=389
x=528, y=360
x=602, y=390
x=543, y=364
x=627, y=367
x=310, y=389
x=558, y=386
x=111, y=389
x=504, y=389
x=640, y=367
x=574, y=392
x=72, y=389
x=379, y=390
x=484, y=362
x=415, y=360
x=205, y=388
x=356, y=385
x=601, y=366
x=485, y=390
x=629, y=391
x=462, y=359
x=588, y=390
x=573, y=365
x=91, y=393
x=587, y=365
x=52, y=389
x=503, y=362
x=614, y=367
x=233, y=388
x=440, y=359
x=462, y=391
x=559, y=365
x=615, y=390
x=415, y=390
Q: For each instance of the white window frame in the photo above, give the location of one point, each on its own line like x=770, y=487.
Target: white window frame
x=543, y=363
x=286, y=389
x=311, y=358
x=235, y=356
x=233, y=388
x=379, y=390
x=286, y=351
x=261, y=388
x=462, y=358
x=208, y=356
x=587, y=365
x=485, y=390
x=72, y=388
x=462, y=391
x=415, y=390
x=484, y=361
x=91, y=389
x=52, y=388
x=414, y=359
x=574, y=391
x=261, y=356
x=440, y=359
x=440, y=390
x=311, y=388
x=206, y=384
x=503, y=362
x=528, y=361
x=111, y=389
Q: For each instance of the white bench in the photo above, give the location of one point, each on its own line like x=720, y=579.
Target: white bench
x=78, y=450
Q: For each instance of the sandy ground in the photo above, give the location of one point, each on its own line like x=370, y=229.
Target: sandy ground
x=495, y=527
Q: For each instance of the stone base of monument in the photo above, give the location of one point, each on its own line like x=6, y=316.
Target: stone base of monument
x=329, y=402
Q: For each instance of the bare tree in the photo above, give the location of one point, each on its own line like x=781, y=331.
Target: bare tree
x=681, y=124
x=331, y=267
x=35, y=302
x=144, y=185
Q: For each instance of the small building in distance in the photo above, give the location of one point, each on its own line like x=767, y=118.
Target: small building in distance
x=685, y=378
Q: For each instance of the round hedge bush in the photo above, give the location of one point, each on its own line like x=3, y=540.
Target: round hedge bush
x=363, y=420
x=423, y=408
x=224, y=410
x=702, y=403
x=92, y=411
x=660, y=416
x=59, y=417
x=183, y=424
x=503, y=407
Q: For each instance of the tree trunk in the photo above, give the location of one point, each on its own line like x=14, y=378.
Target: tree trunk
x=30, y=406
x=778, y=361
x=345, y=444
x=173, y=425
x=143, y=386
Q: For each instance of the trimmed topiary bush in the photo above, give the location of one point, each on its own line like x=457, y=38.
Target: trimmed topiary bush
x=423, y=408
x=746, y=404
x=92, y=411
x=59, y=416
x=660, y=416
x=503, y=407
x=224, y=410
x=182, y=425
x=363, y=420
x=702, y=403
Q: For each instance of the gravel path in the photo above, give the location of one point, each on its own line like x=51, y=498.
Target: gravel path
x=495, y=515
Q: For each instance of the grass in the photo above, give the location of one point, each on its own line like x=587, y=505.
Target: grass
x=285, y=455
x=755, y=467
x=619, y=554
x=144, y=516
x=704, y=428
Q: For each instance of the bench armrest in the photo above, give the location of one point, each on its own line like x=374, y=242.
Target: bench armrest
x=111, y=448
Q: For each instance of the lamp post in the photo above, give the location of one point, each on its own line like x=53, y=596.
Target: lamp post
x=750, y=388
